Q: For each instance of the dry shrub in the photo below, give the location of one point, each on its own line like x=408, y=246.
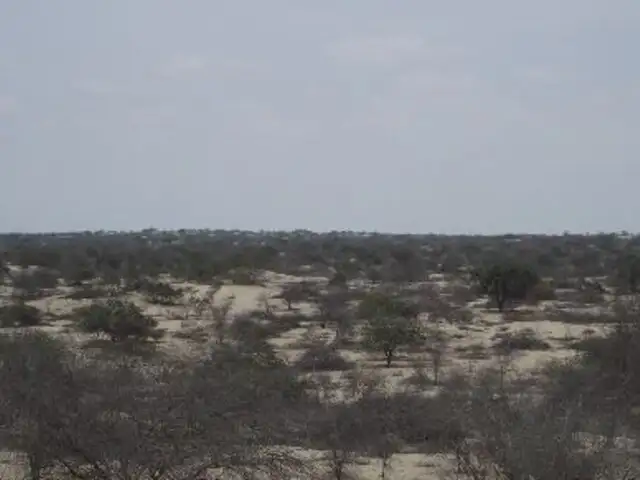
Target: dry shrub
x=578, y=317
x=511, y=436
x=322, y=357
x=461, y=316
x=513, y=316
x=476, y=351
x=282, y=324
x=460, y=295
x=525, y=339
x=131, y=420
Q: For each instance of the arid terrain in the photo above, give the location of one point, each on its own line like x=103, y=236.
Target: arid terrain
x=190, y=355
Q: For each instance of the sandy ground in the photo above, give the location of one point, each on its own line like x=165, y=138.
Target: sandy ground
x=469, y=348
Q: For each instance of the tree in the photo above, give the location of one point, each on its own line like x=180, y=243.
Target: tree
x=334, y=308
x=628, y=271
x=295, y=292
x=215, y=316
x=505, y=282
x=437, y=344
x=389, y=333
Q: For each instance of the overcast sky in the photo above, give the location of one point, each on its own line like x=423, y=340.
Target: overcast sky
x=414, y=116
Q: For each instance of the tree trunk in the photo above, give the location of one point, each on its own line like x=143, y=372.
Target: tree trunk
x=35, y=465
x=389, y=355
x=500, y=301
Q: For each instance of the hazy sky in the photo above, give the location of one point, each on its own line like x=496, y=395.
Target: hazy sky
x=422, y=116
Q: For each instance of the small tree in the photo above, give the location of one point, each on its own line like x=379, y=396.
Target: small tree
x=507, y=282
x=340, y=432
x=119, y=320
x=628, y=272
x=5, y=271
x=215, y=315
x=388, y=334
x=436, y=347
x=334, y=308
x=34, y=365
x=295, y=292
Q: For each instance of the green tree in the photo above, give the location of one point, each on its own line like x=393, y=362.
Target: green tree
x=389, y=333
x=628, y=271
x=507, y=282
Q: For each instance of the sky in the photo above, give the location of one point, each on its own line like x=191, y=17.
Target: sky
x=416, y=116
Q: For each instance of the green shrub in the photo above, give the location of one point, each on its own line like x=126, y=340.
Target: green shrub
x=117, y=319
x=19, y=315
x=161, y=293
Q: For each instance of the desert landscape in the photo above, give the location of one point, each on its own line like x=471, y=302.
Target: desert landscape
x=228, y=354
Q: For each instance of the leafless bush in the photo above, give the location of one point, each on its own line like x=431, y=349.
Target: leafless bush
x=163, y=421
x=513, y=437
x=437, y=344
x=475, y=351
x=459, y=294
x=419, y=377
x=216, y=316
x=34, y=283
x=578, y=317
x=525, y=339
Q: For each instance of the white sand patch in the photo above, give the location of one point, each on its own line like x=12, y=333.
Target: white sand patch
x=530, y=361
x=246, y=298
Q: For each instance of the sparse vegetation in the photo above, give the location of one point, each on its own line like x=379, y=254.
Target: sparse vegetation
x=525, y=339
x=236, y=382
